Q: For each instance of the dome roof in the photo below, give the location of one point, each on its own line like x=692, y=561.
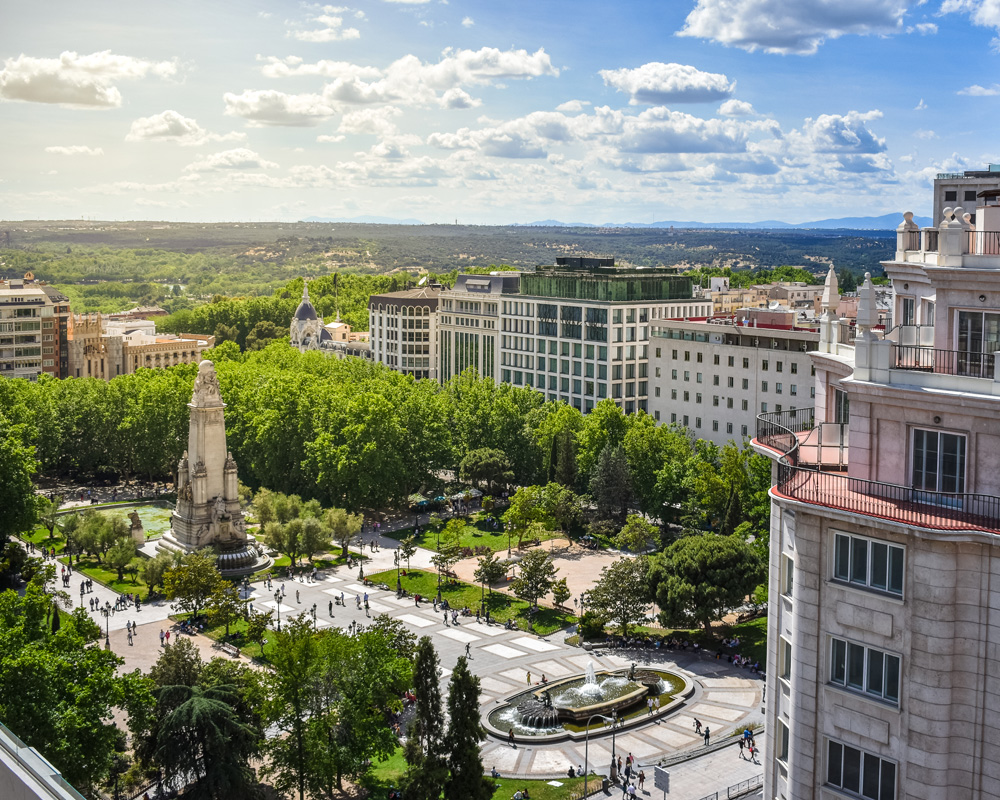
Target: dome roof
x=305, y=311
x=324, y=336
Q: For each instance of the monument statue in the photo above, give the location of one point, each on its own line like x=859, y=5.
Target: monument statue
x=138, y=534
x=208, y=512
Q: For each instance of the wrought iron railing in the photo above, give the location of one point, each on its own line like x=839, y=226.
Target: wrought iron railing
x=813, y=485
x=943, y=362
x=737, y=789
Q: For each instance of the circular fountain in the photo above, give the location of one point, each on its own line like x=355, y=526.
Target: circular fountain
x=566, y=705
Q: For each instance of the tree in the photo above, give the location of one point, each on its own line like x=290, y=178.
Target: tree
x=611, y=484
x=295, y=659
x=120, y=555
x=465, y=732
x=620, y=594
x=263, y=334
x=257, y=627
x=202, y=734
x=486, y=464
x=190, y=584
x=453, y=532
x=603, y=427
x=224, y=606
x=48, y=513
x=59, y=691
x=489, y=570
x=424, y=750
x=180, y=664
x=526, y=511
x=344, y=527
x=536, y=576
x=315, y=538
x=17, y=495
x=400, y=639
x=562, y=504
x=449, y=555
x=152, y=570
x=699, y=578
x=637, y=535
x=286, y=538
x=407, y=548
x=561, y=592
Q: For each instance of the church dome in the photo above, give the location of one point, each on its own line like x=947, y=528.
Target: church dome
x=305, y=311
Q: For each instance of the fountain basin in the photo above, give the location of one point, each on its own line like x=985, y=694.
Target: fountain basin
x=572, y=706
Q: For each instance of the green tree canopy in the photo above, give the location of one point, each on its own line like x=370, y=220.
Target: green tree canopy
x=620, y=594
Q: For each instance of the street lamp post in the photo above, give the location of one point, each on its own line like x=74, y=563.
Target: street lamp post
x=399, y=583
x=510, y=531
x=314, y=614
x=586, y=749
x=107, y=632
x=82, y=590
x=277, y=604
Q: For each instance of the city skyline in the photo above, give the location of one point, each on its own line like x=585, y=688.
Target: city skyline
x=709, y=110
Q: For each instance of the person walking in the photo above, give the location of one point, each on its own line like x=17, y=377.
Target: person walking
x=331, y=608
x=707, y=734
x=529, y=679
x=468, y=651
x=168, y=638
x=510, y=738
x=697, y=725
x=161, y=637
x=297, y=600
x=741, y=749
x=649, y=707
x=642, y=779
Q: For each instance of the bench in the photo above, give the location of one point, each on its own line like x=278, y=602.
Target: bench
x=232, y=649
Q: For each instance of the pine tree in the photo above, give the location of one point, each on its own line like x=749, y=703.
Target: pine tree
x=465, y=732
x=427, y=769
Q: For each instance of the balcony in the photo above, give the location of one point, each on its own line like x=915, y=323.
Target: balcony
x=803, y=476
x=943, y=362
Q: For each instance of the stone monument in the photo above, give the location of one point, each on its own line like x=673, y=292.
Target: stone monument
x=208, y=512
x=138, y=534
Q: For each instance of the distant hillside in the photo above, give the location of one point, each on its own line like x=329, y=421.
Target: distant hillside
x=885, y=222
x=366, y=220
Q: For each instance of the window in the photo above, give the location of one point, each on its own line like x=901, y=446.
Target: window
x=746, y=384
x=673, y=374
x=697, y=422
x=777, y=388
x=864, y=669
x=687, y=355
x=732, y=360
x=697, y=397
x=743, y=430
x=763, y=365
x=673, y=394
x=970, y=196
x=793, y=390
x=779, y=366
x=715, y=380
x=746, y=405
x=938, y=462
x=697, y=377
x=657, y=352
x=907, y=311
x=699, y=358
x=687, y=397
x=763, y=386
x=715, y=425
x=729, y=382
x=860, y=773
x=687, y=375
x=782, y=741
x=729, y=402
x=656, y=391
x=784, y=658
x=673, y=354
x=950, y=197
x=715, y=400
x=715, y=360
x=746, y=363
x=729, y=427
x=763, y=408
x=869, y=563
x=787, y=576
x=794, y=368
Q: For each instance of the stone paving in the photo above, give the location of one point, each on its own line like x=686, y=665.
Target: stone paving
x=725, y=698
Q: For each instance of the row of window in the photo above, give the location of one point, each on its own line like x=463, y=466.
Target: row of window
x=685, y=420
x=779, y=366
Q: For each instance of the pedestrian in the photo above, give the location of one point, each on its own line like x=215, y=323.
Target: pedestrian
x=707, y=734
x=642, y=779
x=161, y=637
x=282, y=590
x=656, y=704
x=297, y=600
x=468, y=652
x=168, y=638
x=510, y=738
x=129, y=637
x=741, y=749
x=133, y=627
x=529, y=679
x=631, y=759
x=649, y=707
x=697, y=725
x=331, y=608
x=619, y=764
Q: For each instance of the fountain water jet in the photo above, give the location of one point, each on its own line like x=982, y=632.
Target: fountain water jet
x=589, y=675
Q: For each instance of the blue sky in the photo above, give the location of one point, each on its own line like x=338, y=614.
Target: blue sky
x=493, y=112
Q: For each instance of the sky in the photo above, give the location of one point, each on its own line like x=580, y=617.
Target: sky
x=509, y=111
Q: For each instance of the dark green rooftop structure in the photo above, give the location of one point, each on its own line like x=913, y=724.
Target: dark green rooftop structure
x=598, y=279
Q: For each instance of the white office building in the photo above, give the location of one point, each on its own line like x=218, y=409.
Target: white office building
x=469, y=324
x=579, y=330
x=403, y=330
x=715, y=376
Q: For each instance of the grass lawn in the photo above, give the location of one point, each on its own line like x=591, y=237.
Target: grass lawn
x=477, y=533
x=459, y=595
x=237, y=636
x=752, y=636
x=388, y=773
x=40, y=537
x=109, y=577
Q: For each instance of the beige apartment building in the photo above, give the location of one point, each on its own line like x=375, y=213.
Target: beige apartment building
x=34, y=329
x=402, y=329
x=884, y=618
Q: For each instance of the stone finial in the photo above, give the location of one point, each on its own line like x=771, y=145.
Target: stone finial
x=206, y=387
x=831, y=292
x=305, y=290
x=867, y=311
x=907, y=224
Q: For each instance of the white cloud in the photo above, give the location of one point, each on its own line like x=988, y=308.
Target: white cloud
x=326, y=138
x=468, y=22
x=171, y=126
x=660, y=84
x=375, y=121
x=920, y=106
x=779, y=26
x=267, y=107
x=75, y=150
x=573, y=106
x=848, y=133
x=926, y=28
x=240, y=158
x=412, y=82
x=331, y=27
x=408, y=2
x=924, y=134
x=736, y=108
x=79, y=81
x=981, y=91
x=984, y=13
x=660, y=130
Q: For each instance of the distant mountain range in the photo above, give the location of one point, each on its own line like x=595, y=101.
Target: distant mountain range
x=886, y=222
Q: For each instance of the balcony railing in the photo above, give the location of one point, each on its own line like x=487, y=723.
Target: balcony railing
x=983, y=243
x=816, y=486
x=943, y=362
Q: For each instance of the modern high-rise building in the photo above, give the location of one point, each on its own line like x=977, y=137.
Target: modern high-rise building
x=883, y=676
x=953, y=189
x=403, y=330
x=34, y=326
x=578, y=331
x=469, y=324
